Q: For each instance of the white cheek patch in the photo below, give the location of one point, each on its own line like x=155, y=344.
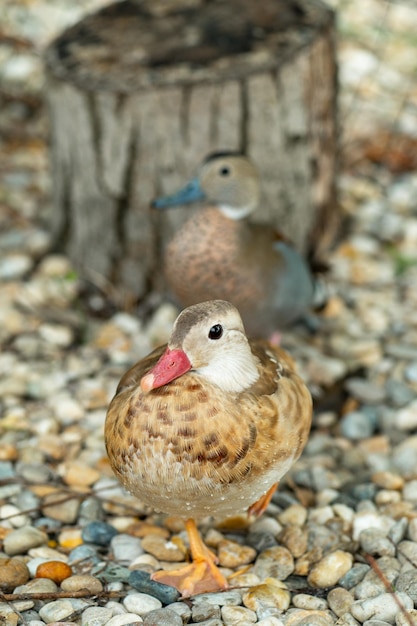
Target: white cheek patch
x=234, y=213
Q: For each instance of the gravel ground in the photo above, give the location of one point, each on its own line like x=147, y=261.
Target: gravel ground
x=341, y=533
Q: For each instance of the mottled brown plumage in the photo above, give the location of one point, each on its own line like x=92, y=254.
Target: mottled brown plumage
x=219, y=253
x=206, y=425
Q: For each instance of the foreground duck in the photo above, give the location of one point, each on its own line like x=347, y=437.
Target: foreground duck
x=207, y=425
x=218, y=253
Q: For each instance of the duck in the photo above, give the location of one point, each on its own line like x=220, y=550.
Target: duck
x=218, y=253
x=207, y=425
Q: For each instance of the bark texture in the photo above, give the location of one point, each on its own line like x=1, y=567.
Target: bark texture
x=140, y=92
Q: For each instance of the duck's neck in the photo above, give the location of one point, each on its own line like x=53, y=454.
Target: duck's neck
x=232, y=375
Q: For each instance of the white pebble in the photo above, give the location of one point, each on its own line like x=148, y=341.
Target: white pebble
x=383, y=607
x=96, y=616
x=141, y=603
x=56, y=611
x=127, y=618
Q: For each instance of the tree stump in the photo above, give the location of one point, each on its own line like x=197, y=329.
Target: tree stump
x=141, y=91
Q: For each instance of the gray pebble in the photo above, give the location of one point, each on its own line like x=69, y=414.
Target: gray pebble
x=141, y=581
x=125, y=619
x=230, y=598
x=354, y=576
x=410, y=491
x=261, y=540
x=376, y=543
x=21, y=540
x=407, y=582
x=383, y=607
x=111, y=572
x=34, y=472
x=15, y=266
x=83, y=554
x=56, y=611
x=212, y=622
x=204, y=611
x=96, y=616
x=47, y=524
x=412, y=529
x=410, y=372
x=398, y=392
x=398, y=530
x=407, y=552
x=126, y=548
x=99, y=533
x=181, y=609
x=162, y=617
x=356, y=425
x=365, y=391
x=376, y=622
x=141, y=603
x=91, y=510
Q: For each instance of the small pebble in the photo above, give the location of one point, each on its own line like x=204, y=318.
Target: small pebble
x=56, y=611
x=141, y=581
x=383, y=607
x=339, y=600
x=99, y=533
x=269, y=594
x=229, y=598
x=203, y=611
x=356, y=426
x=374, y=542
x=82, y=581
x=236, y=615
x=96, y=616
x=23, y=539
x=407, y=552
x=126, y=548
x=141, y=603
x=54, y=570
x=330, y=569
x=310, y=603
x=13, y=573
x=354, y=576
x=276, y=562
x=162, y=549
x=232, y=554
x=124, y=619
x=162, y=617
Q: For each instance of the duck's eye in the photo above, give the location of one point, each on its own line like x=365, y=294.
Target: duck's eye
x=224, y=171
x=216, y=331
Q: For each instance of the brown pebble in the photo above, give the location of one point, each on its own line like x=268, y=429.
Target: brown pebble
x=8, y=452
x=388, y=480
x=232, y=554
x=162, y=549
x=141, y=529
x=304, y=564
x=77, y=473
x=295, y=539
x=13, y=572
x=54, y=570
x=339, y=600
x=82, y=581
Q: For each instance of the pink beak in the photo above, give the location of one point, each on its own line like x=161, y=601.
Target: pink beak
x=171, y=365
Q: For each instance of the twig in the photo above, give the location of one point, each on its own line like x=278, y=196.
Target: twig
x=56, y=595
x=388, y=586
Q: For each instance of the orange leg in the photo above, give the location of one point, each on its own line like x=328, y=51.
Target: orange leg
x=201, y=575
x=260, y=506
